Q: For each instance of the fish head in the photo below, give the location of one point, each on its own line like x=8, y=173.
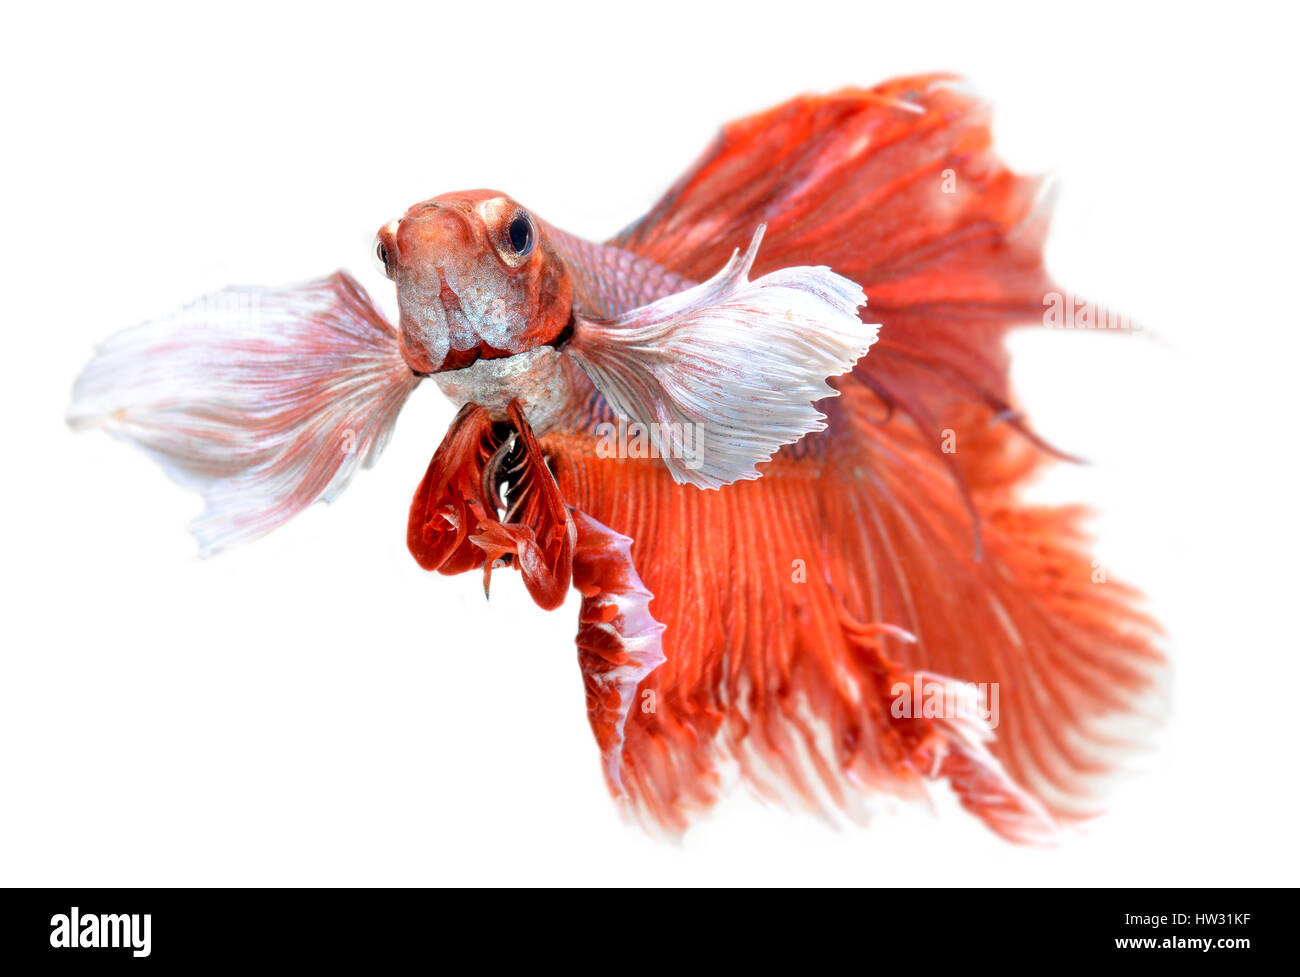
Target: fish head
x=476, y=279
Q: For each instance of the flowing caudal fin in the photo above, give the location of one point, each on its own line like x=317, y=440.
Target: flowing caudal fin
x=725, y=373
x=896, y=187
x=264, y=400
x=792, y=605
x=766, y=589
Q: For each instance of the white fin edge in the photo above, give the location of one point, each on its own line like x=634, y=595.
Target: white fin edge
x=264, y=400
x=725, y=373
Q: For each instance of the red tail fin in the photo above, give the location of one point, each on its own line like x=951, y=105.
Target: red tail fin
x=766, y=587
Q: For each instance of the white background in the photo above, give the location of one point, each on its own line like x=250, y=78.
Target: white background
x=314, y=709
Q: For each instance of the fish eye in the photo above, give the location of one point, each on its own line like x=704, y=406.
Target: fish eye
x=381, y=252
x=521, y=234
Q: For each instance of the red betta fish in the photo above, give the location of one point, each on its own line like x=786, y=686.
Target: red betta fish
x=829, y=600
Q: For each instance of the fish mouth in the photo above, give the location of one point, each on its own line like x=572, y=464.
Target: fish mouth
x=452, y=333
x=435, y=330
x=460, y=363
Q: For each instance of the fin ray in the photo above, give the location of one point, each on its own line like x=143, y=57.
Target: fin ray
x=724, y=374
x=264, y=400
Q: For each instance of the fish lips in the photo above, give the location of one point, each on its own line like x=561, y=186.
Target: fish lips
x=437, y=334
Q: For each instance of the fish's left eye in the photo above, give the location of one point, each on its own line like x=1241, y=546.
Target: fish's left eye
x=521, y=234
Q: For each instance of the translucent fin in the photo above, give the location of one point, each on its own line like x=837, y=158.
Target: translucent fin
x=263, y=400
x=725, y=373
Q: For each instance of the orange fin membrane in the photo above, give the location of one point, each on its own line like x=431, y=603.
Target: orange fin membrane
x=451, y=501
x=619, y=642
x=941, y=727
x=535, y=531
x=899, y=190
x=458, y=521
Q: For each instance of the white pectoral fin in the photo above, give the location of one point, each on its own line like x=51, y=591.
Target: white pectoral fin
x=264, y=400
x=725, y=373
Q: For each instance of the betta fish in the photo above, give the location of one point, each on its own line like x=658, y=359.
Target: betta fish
x=766, y=433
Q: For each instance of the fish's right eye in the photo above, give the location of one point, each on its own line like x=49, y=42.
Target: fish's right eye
x=381, y=252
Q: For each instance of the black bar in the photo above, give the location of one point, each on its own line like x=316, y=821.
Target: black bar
x=880, y=928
